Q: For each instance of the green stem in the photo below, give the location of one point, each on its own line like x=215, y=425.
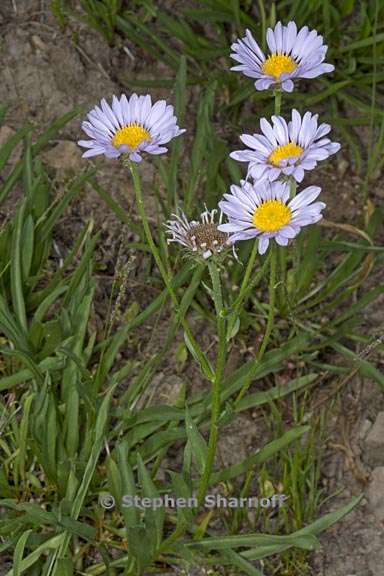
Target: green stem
x=246, y=287
x=268, y=329
x=282, y=255
x=148, y=233
x=263, y=18
x=368, y=172
x=156, y=254
x=281, y=289
x=243, y=288
x=283, y=297
x=282, y=250
x=272, y=297
x=277, y=94
x=219, y=370
x=248, y=271
x=292, y=187
x=247, y=284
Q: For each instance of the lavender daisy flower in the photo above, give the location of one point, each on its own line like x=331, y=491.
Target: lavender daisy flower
x=201, y=238
x=129, y=127
x=286, y=149
x=293, y=55
x=264, y=210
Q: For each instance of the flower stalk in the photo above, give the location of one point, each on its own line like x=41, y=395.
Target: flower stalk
x=246, y=286
x=282, y=254
x=156, y=254
x=269, y=326
x=277, y=93
x=216, y=383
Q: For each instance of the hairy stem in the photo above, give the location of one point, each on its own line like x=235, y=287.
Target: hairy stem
x=167, y=281
x=219, y=370
x=277, y=94
x=269, y=326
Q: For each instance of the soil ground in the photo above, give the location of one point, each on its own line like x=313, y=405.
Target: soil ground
x=45, y=72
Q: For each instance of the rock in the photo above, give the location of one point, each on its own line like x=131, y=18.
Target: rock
x=16, y=44
x=170, y=390
x=65, y=158
x=379, y=191
x=376, y=555
x=374, y=443
x=38, y=43
x=375, y=493
x=5, y=133
x=365, y=427
x=342, y=166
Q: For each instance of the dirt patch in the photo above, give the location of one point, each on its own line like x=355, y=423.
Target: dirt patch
x=353, y=547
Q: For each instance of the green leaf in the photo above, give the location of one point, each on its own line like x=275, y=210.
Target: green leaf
x=8, y=147
x=27, y=242
x=313, y=529
x=199, y=357
x=234, y=559
x=365, y=367
x=154, y=517
x=376, y=39
x=305, y=541
x=261, y=455
x=19, y=552
x=260, y=398
x=46, y=225
x=16, y=270
x=28, y=561
x=197, y=442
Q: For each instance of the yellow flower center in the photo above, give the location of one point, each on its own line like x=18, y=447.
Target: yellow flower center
x=280, y=153
x=271, y=216
x=132, y=135
x=278, y=64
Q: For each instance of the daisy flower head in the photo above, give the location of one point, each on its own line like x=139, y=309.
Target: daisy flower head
x=200, y=237
x=129, y=127
x=293, y=54
x=264, y=210
x=286, y=149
